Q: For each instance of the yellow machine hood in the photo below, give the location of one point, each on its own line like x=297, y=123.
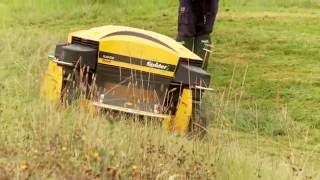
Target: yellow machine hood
x=104, y=33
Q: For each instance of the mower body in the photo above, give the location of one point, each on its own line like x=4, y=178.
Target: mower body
x=129, y=70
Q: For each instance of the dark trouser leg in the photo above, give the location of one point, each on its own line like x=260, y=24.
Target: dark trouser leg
x=206, y=17
x=186, y=24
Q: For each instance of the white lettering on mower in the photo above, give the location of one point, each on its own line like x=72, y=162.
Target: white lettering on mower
x=108, y=57
x=157, y=65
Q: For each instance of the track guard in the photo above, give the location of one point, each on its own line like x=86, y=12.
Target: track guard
x=52, y=84
x=180, y=122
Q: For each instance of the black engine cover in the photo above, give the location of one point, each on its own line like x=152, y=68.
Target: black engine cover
x=193, y=75
x=74, y=52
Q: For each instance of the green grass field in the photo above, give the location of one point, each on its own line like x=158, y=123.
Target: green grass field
x=265, y=110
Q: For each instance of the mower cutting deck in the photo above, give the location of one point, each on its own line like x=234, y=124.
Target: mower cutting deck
x=129, y=70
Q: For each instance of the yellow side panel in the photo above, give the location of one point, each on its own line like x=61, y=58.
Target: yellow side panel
x=52, y=84
x=180, y=122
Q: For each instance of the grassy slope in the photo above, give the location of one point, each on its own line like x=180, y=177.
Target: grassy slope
x=266, y=108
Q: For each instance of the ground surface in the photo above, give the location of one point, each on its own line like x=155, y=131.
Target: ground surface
x=265, y=68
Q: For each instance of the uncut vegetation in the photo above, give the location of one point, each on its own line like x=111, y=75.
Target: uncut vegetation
x=265, y=110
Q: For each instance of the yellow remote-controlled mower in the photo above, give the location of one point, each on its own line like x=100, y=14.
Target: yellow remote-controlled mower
x=132, y=71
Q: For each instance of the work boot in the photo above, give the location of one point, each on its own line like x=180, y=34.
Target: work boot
x=186, y=42
x=201, y=43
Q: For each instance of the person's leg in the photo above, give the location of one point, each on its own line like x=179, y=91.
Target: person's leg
x=206, y=18
x=186, y=24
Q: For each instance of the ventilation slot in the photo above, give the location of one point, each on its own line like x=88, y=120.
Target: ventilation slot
x=85, y=42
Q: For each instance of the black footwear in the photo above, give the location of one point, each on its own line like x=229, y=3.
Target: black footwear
x=201, y=44
x=186, y=42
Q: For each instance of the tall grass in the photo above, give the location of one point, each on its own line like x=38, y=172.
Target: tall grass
x=253, y=135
